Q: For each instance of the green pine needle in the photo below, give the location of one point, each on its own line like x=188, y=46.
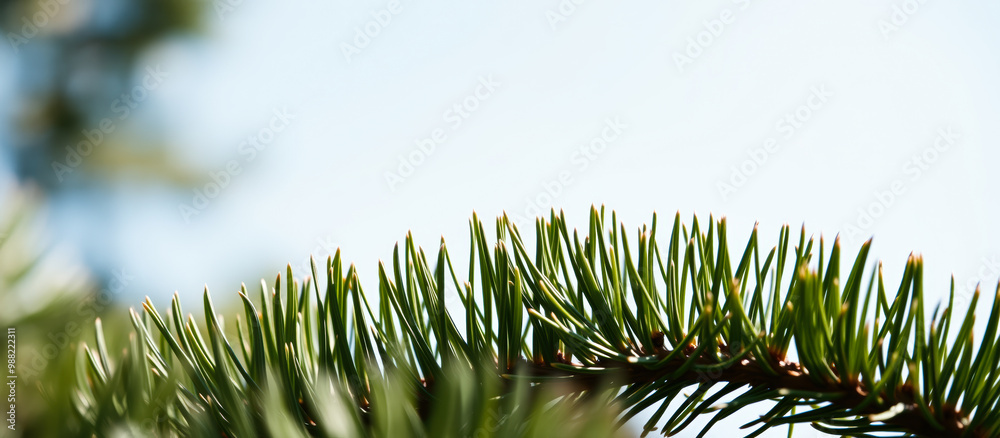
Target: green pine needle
x=574, y=334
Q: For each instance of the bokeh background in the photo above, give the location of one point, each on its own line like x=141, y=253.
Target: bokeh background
x=174, y=144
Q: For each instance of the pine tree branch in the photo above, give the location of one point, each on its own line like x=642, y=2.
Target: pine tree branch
x=588, y=321
x=749, y=374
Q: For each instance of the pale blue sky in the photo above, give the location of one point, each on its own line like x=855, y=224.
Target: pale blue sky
x=325, y=175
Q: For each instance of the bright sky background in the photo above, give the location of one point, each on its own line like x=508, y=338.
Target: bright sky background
x=684, y=129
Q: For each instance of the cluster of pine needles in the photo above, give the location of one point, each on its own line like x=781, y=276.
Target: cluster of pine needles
x=574, y=335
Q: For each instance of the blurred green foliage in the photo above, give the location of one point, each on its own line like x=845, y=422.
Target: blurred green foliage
x=73, y=59
x=50, y=301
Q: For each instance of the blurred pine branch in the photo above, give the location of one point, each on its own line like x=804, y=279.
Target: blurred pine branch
x=50, y=301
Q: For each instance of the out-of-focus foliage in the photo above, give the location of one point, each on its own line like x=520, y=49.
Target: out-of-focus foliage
x=50, y=300
x=38, y=284
x=72, y=60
